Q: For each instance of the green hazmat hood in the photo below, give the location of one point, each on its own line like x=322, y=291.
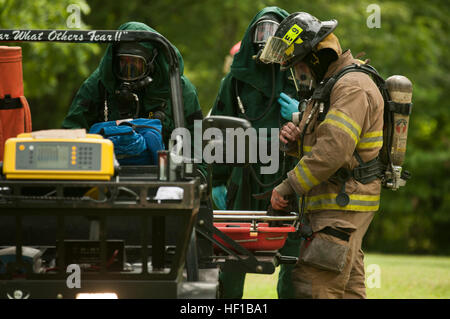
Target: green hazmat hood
x=161, y=83
x=247, y=70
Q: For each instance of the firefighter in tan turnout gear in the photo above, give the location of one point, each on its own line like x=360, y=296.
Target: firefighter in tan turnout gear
x=334, y=136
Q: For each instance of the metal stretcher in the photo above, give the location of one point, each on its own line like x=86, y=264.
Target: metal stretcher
x=243, y=241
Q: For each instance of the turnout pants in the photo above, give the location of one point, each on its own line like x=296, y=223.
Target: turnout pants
x=331, y=264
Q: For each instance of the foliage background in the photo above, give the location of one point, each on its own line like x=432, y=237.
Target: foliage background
x=413, y=41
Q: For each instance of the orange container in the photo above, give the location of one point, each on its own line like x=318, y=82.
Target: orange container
x=15, y=115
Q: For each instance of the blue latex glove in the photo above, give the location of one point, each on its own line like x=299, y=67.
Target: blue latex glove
x=219, y=196
x=288, y=106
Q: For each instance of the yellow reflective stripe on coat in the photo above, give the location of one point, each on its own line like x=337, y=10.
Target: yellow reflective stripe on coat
x=363, y=203
x=307, y=150
x=305, y=177
x=340, y=120
x=371, y=140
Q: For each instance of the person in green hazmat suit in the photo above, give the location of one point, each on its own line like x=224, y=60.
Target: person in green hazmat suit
x=132, y=81
x=259, y=87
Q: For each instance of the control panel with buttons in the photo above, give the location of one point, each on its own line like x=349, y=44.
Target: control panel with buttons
x=80, y=158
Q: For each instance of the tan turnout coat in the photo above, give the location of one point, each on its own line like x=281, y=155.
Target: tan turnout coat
x=354, y=121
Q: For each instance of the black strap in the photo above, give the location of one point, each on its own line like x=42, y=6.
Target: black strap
x=269, y=105
x=102, y=132
x=368, y=172
x=9, y=103
x=364, y=173
x=400, y=108
x=323, y=91
x=135, y=126
x=336, y=233
x=231, y=195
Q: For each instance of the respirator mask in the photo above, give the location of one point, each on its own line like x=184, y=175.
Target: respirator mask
x=305, y=82
x=133, y=66
x=264, y=29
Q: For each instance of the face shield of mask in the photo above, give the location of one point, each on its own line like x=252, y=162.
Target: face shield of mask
x=264, y=30
x=131, y=67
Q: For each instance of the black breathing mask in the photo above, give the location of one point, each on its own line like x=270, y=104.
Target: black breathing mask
x=305, y=90
x=128, y=100
x=305, y=82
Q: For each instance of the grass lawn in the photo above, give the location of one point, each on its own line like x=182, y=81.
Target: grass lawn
x=387, y=277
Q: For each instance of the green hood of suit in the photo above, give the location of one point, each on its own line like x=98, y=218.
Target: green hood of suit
x=247, y=70
x=160, y=85
x=96, y=97
x=254, y=86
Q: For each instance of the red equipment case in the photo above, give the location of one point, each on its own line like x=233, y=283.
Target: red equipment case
x=259, y=238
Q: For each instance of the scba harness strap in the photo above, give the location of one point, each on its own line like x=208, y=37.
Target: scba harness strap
x=323, y=91
x=365, y=173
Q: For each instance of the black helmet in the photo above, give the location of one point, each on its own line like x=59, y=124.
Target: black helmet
x=297, y=35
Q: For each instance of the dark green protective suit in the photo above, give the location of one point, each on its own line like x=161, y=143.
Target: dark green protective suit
x=88, y=105
x=259, y=86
